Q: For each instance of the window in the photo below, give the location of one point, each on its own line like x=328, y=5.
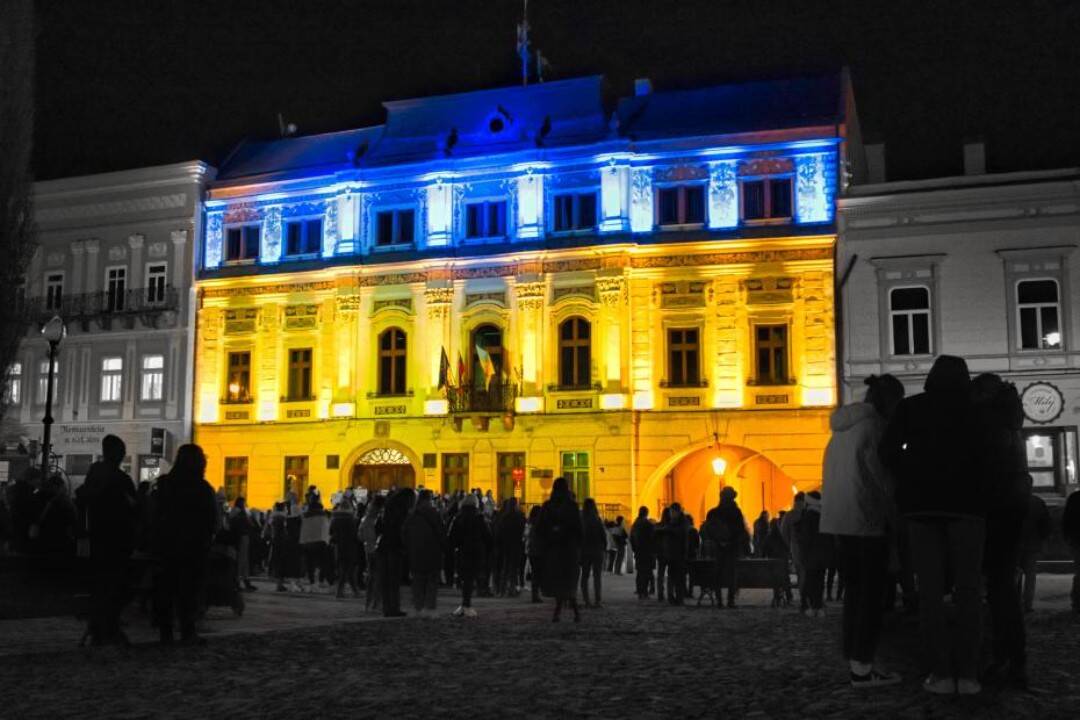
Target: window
x=1037, y=304
x=485, y=219
x=1051, y=458
x=770, y=352
x=488, y=338
x=766, y=198
x=574, y=360
x=238, y=389
x=43, y=380
x=684, y=351
x=392, y=362
x=395, y=227
x=242, y=243
x=909, y=310
x=112, y=374
x=13, y=389
x=153, y=377
x=455, y=472
x=575, y=468
x=303, y=237
x=680, y=205
x=299, y=374
x=296, y=476
x=115, y=287
x=155, y=283
x=236, y=475
x=54, y=291
x=507, y=485
x=575, y=212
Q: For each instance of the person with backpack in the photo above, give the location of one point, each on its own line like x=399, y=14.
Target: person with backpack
x=725, y=531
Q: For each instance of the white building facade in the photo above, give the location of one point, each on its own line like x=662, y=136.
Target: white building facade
x=115, y=263
x=984, y=266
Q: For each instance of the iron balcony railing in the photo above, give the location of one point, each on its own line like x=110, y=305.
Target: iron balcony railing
x=495, y=398
x=104, y=304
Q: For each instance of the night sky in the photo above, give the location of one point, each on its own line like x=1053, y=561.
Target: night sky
x=126, y=84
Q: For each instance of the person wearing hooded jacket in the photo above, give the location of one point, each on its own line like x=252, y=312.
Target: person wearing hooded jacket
x=857, y=508
x=725, y=530
x=929, y=447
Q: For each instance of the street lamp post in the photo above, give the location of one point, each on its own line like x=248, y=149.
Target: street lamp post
x=54, y=331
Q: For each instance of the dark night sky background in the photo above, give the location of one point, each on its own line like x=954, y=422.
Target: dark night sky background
x=126, y=84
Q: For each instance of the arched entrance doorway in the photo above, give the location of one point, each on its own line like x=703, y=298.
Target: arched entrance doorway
x=381, y=469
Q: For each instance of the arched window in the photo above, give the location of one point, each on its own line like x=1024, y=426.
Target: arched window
x=392, y=362
x=574, y=353
x=489, y=339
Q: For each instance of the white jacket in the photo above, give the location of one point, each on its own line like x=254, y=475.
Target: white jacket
x=856, y=492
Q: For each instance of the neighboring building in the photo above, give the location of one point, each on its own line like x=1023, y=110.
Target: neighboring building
x=983, y=266
x=640, y=300
x=115, y=263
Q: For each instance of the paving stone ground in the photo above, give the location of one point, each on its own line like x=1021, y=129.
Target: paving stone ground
x=300, y=656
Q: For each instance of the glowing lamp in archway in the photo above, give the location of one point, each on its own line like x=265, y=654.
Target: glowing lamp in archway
x=719, y=465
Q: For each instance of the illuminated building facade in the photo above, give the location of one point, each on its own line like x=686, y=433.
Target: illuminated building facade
x=500, y=287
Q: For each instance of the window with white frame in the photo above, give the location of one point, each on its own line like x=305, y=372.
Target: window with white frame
x=242, y=243
x=909, y=318
x=54, y=291
x=156, y=274
x=1039, y=314
x=43, y=380
x=152, y=382
x=115, y=288
x=112, y=374
x=303, y=237
x=13, y=387
x=485, y=219
x=395, y=227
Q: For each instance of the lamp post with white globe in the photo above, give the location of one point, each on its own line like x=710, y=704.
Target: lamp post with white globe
x=53, y=332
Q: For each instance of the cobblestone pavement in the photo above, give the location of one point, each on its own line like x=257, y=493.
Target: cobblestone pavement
x=298, y=656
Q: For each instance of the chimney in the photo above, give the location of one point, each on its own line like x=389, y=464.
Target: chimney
x=642, y=86
x=875, y=163
x=975, y=158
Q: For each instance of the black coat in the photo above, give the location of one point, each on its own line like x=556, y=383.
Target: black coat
x=423, y=536
x=471, y=538
x=509, y=533
x=185, y=517
x=109, y=500
x=594, y=537
x=560, y=529
x=643, y=538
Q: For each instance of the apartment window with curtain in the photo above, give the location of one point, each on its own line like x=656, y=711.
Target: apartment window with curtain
x=152, y=382
x=112, y=379
x=13, y=388
x=238, y=379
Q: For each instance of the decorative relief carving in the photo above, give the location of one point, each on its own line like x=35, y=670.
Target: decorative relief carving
x=732, y=258
x=556, y=266
x=117, y=253
x=392, y=279
x=684, y=400
x=115, y=207
x=392, y=304
x=269, y=318
x=157, y=250
x=685, y=294
x=585, y=291
x=498, y=298
x=530, y=296
x=612, y=290
x=348, y=303
x=769, y=290
x=301, y=317
x=135, y=240
x=766, y=166
x=680, y=173
x=267, y=289
x=438, y=300
x=240, y=321
x=242, y=212
x=178, y=237
x=54, y=259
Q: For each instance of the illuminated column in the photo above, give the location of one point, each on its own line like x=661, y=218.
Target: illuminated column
x=723, y=195
x=529, y=298
x=614, y=197
x=214, y=238
x=208, y=365
x=530, y=205
x=641, y=200
x=268, y=356
x=135, y=274
x=727, y=380
x=641, y=344
x=612, y=291
x=814, y=312
x=330, y=351
x=346, y=221
x=181, y=274
x=438, y=297
x=348, y=306
x=331, y=229
x=815, y=188
x=440, y=213
x=271, y=235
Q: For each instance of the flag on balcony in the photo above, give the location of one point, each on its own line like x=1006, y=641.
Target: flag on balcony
x=461, y=371
x=444, y=369
x=486, y=365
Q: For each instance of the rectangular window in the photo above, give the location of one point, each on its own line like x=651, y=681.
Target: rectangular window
x=455, y=472
x=1051, y=458
x=13, y=389
x=238, y=389
x=242, y=243
x=155, y=283
x=236, y=476
x=575, y=212
x=296, y=476
x=511, y=484
x=909, y=311
x=575, y=468
x=152, y=385
x=681, y=205
x=300, y=374
x=768, y=198
x=1039, y=312
x=115, y=288
x=303, y=237
x=684, y=352
x=395, y=227
x=485, y=219
x=771, y=353
x=54, y=291
x=43, y=380
x=112, y=374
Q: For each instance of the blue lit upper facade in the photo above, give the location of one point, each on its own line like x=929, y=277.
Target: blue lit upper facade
x=533, y=167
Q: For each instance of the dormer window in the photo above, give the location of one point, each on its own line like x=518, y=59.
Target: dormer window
x=395, y=227
x=242, y=244
x=680, y=205
x=485, y=219
x=575, y=212
x=303, y=237
x=766, y=198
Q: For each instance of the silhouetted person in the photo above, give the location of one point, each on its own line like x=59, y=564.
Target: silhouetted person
x=643, y=544
x=370, y=537
x=56, y=521
x=1036, y=531
x=240, y=525
x=815, y=548
x=618, y=534
x=471, y=539
x=725, y=529
x=677, y=545
x=185, y=521
x=534, y=550
x=1070, y=531
x=346, y=547
x=857, y=508
x=424, y=533
x=22, y=499
x=787, y=532
x=761, y=531
x=929, y=447
x=509, y=539
x=108, y=499
x=315, y=540
x=560, y=530
x=391, y=549
x=660, y=532
x=593, y=548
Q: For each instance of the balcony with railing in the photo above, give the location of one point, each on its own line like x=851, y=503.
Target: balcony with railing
x=495, y=399
x=148, y=304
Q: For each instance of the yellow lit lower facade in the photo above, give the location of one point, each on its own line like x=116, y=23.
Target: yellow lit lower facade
x=646, y=374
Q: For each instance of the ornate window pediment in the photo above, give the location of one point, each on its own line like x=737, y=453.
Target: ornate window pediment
x=383, y=456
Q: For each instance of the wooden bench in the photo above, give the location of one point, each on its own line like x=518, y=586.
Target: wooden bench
x=749, y=573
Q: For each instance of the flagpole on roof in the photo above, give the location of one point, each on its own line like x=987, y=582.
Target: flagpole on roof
x=523, y=42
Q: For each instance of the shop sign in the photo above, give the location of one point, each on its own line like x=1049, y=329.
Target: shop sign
x=1042, y=402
